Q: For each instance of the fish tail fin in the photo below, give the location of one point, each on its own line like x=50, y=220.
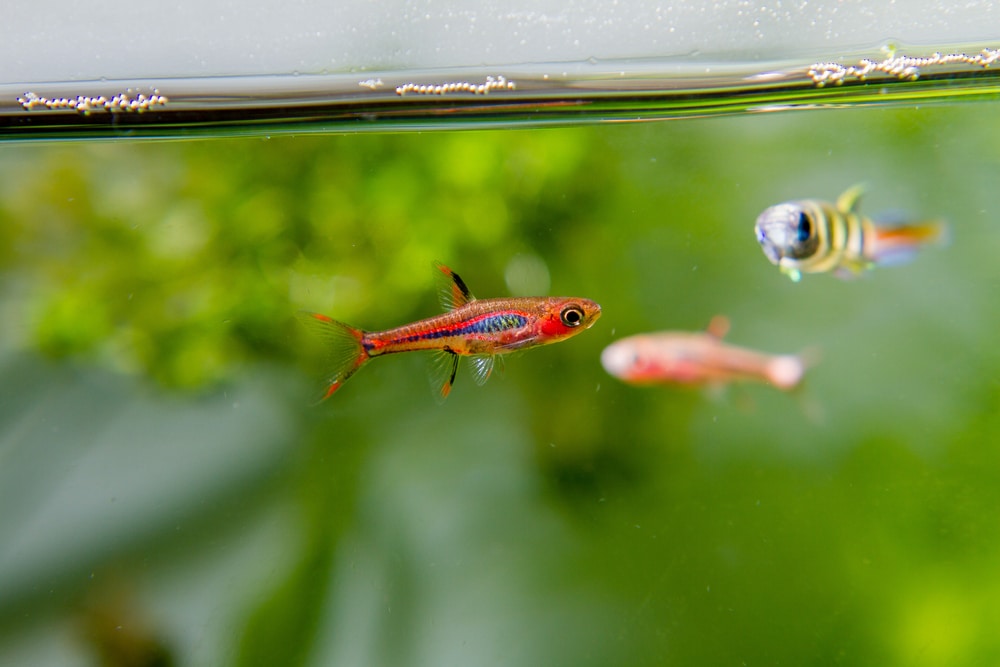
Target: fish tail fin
x=346, y=353
x=899, y=243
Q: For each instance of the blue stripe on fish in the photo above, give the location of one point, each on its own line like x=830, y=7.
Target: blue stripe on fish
x=484, y=325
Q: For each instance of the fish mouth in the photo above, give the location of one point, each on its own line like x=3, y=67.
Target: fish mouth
x=595, y=313
x=771, y=251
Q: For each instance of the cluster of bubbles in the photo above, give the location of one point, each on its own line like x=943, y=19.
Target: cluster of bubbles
x=902, y=67
x=492, y=83
x=128, y=102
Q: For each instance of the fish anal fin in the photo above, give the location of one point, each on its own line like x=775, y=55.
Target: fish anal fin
x=848, y=201
x=443, y=370
x=715, y=391
x=452, y=290
x=850, y=270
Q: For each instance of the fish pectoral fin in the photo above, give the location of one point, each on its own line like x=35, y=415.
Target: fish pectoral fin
x=715, y=391
x=444, y=367
x=482, y=367
x=792, y=273
x=452, y=290
x=851, y=270
x=848, y=201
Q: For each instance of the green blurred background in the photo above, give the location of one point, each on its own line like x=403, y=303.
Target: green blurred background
x=170, y=495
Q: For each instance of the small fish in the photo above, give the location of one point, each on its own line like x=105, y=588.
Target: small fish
x=679, y=357
x=812, y=236
x=478, y=328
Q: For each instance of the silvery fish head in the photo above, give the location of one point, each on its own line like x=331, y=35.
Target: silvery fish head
x=786, y=230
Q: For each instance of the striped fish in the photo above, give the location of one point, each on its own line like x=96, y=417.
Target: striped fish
x=813, y=236
x=479, y=328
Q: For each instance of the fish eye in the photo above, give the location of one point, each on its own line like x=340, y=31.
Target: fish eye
x=804, y=228
x=571, y=316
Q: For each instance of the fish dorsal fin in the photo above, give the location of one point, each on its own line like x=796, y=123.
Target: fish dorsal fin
x=848, y=202
x=451, y=289
x=718, y=327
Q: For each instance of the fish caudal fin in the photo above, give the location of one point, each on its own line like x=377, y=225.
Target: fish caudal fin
x=898, y=244
x=346, y=352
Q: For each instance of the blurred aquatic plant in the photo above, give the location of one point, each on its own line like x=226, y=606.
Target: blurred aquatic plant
x=184, y=260
x=553, y=516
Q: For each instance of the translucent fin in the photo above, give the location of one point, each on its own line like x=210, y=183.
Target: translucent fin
x=850, y=270
x=482, y=367
x=896, y=256
x=715, y=391
x=899, y=244
x=443, y=370
x=345, y=352
x=452, y=290
x=792, y=273
x=848, y=202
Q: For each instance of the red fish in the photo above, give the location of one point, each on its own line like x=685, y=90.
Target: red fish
x=480, y=328
x=697, y=358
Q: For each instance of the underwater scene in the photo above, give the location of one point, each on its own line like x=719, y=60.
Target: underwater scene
x=736, y=438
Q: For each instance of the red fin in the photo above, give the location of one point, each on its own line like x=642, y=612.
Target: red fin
x=443, y=371
x=718, y=327
x=346, y=352
x=452, y=290
x=894, y=245
x=332, y=388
